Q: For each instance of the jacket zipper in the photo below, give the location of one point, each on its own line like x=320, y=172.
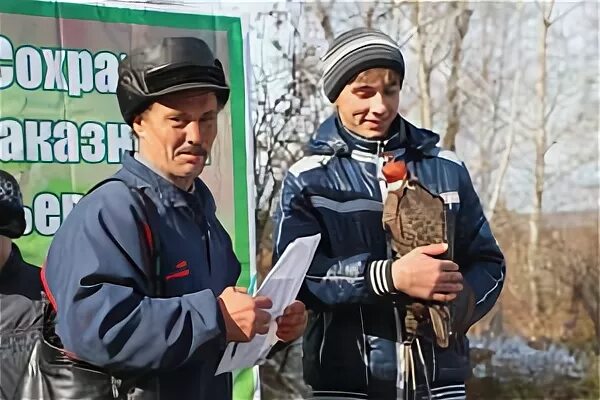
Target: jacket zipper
x=364, y=355
x=207, y=242
x=380, y=178
x=400, y=387
x=383, y=186
x=202, y=221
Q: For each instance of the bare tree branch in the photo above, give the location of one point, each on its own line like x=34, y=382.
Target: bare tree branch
x=564, y=14
x=507, y=152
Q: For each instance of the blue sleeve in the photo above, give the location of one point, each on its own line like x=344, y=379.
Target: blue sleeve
x=96, y=272
x=477, y=251
x=330, y=281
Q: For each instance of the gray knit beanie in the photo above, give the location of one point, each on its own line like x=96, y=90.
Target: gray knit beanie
x=355, y=51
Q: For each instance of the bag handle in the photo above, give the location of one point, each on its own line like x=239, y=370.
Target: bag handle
x=150, y=230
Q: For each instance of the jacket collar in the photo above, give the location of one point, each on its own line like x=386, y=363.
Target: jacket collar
x=12, y=264
x=332, y=138
x=167, y=192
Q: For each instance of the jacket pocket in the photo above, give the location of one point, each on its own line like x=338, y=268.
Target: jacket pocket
x=452, y=364
x=333, y=358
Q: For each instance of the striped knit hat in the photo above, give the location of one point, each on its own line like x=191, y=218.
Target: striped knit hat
x=355, y=51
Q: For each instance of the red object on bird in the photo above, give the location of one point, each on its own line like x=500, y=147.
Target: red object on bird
x=395, y=171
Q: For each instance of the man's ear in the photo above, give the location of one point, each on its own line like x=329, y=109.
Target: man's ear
x=138, y=126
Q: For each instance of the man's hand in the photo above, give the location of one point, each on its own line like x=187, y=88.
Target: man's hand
x=291, y=325
x=244, y=315
x=423, y=277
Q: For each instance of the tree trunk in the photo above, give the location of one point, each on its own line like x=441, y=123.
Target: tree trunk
x=424, y=73
x=534, y=267
x=325, y=20
x=462, y=25
x=369, y=15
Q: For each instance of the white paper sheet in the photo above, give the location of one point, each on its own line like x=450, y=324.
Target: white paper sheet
x=281, y=285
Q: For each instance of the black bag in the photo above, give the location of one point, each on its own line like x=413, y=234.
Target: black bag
x=53, y=375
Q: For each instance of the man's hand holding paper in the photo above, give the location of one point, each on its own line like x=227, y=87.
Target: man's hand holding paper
x=244, y=315
x=288, y=316
x=291, y=325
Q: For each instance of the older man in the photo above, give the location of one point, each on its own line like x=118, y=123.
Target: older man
x=159, y=322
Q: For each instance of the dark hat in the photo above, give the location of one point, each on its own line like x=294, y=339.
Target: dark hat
x=166, y=66
x=12, y=215
x=356, y=51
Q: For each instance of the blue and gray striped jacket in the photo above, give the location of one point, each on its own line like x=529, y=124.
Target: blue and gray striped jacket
x=353, y=341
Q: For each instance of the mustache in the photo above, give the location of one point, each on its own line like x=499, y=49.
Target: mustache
x=194, y=150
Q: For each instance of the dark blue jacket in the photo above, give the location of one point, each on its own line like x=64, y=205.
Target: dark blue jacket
x=97, y=270
x=352, y=342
